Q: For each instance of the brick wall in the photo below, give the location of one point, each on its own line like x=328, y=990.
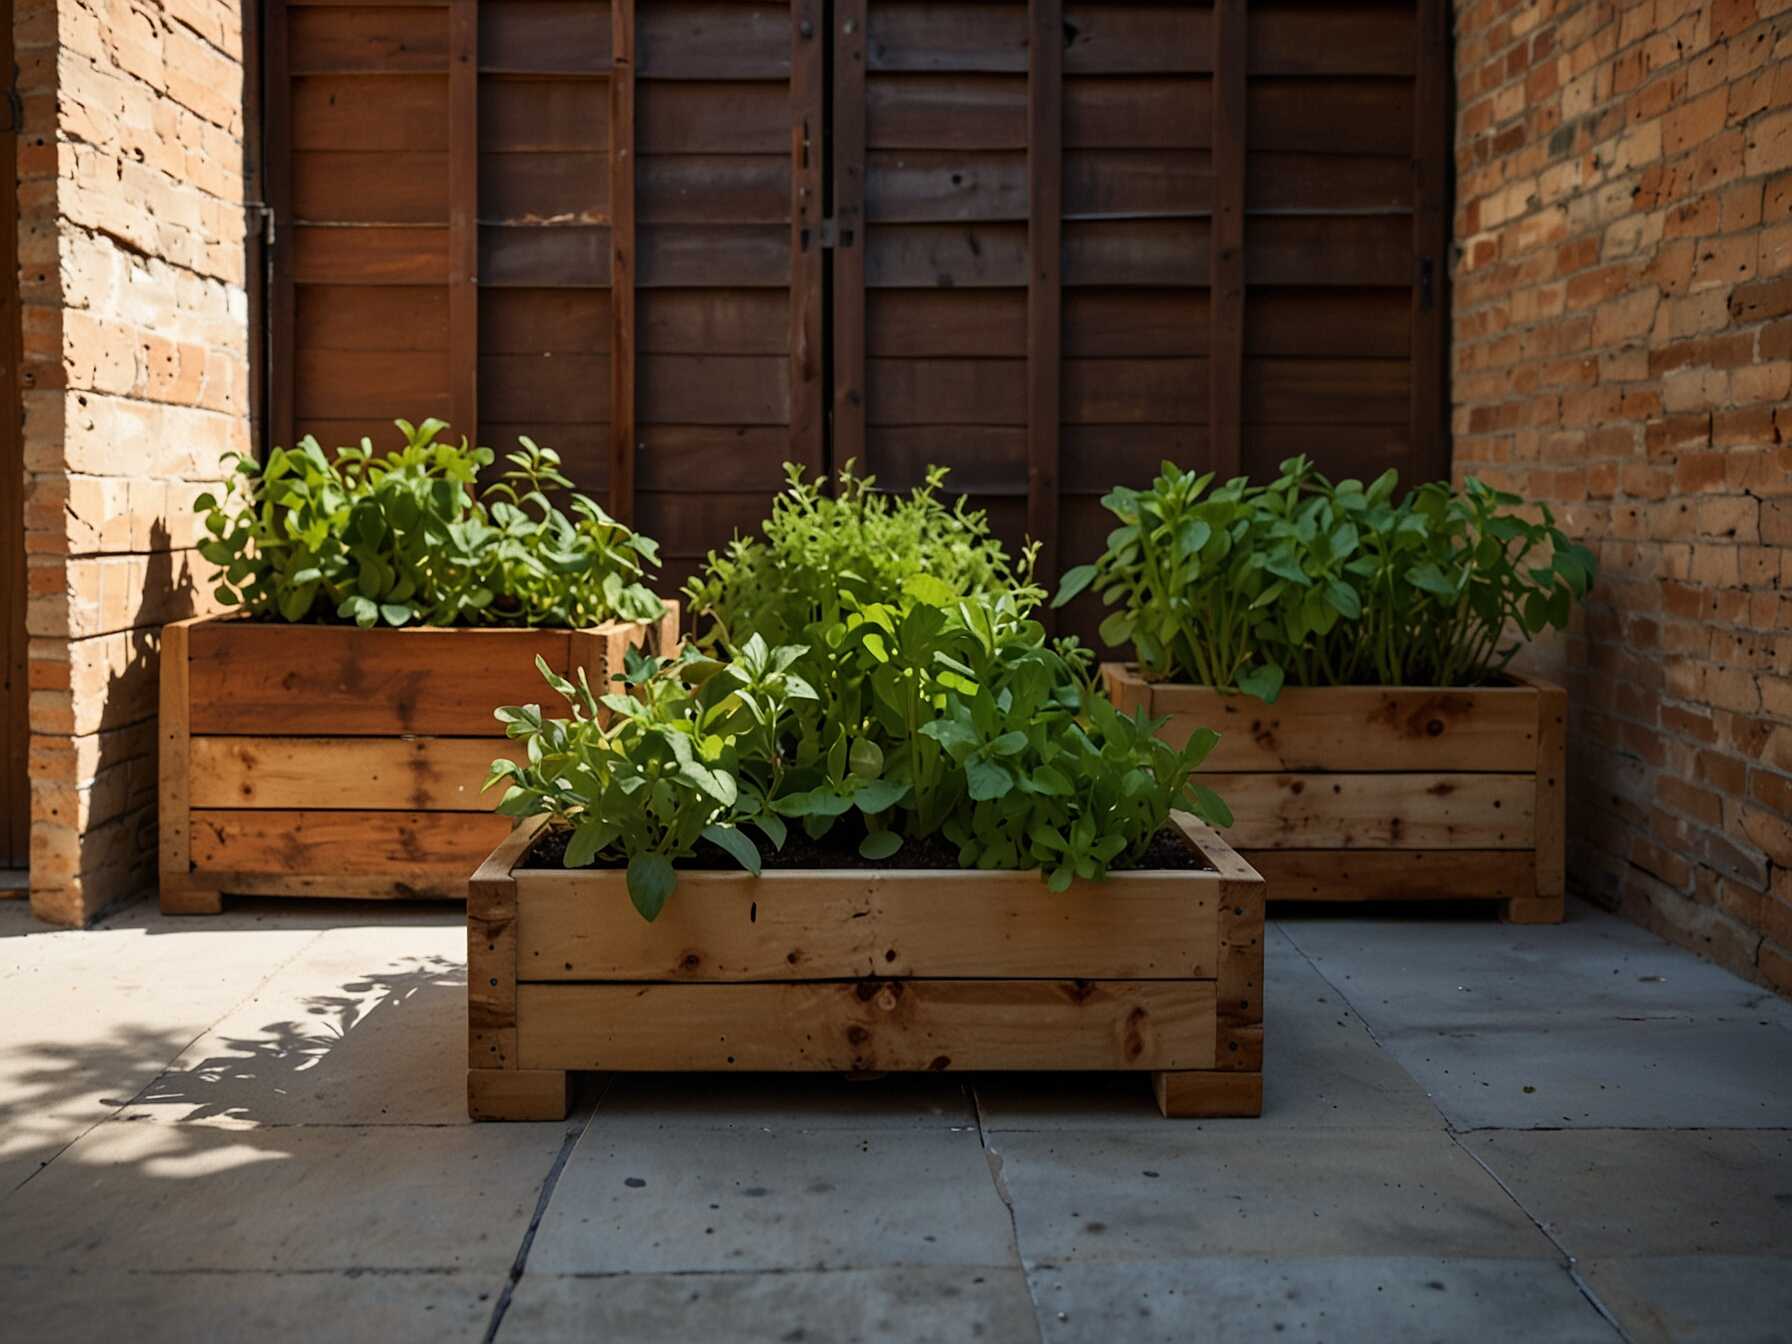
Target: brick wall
x=1623, y=316
x=135, y=385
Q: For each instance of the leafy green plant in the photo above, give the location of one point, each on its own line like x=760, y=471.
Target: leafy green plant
x=408, y=537
x=950, y=716
x=820, y=550
x=1306, y=582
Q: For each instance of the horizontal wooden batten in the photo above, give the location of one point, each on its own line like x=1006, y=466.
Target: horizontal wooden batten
x=1353, y=728
x=1394, y=810
x=427, y=852
x=248, y=677
x=1394, y=874
x=420, y=773
x=914, y=1025
x=836, y=925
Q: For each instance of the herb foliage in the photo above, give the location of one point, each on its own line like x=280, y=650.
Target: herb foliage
x=904, y=706
x=409, y=537
x=1306, y=582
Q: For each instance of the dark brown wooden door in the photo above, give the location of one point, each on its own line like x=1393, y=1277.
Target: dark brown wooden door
x=1063, y=240
x=15, y=801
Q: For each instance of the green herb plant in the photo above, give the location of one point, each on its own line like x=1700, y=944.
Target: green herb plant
x=818, y=550
x=914, y=711
x=409, y=537
x=1307, y=582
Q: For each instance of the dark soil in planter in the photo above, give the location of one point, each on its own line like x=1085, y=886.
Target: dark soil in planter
x=839, y=849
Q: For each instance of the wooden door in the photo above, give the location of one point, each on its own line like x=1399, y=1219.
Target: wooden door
x=15, y=801
x=1065, y=240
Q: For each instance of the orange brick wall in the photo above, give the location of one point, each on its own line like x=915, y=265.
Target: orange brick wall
x=1623, y=349
x=135, y=377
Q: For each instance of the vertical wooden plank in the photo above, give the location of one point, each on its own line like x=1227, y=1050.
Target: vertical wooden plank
x=491, y=954
x=1226, y=361
x=15, y=805
x=807, y=143
x=1045, y=202
x=1433, y=122
x=277, y=106
x=463, y=217
x=849, y=228
x=174, y=868
x=1550, y=817
x=622, y=259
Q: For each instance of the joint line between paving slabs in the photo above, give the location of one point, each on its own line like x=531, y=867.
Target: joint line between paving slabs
x=1581, y=1285
x=994, y=1161
x=574, y=1133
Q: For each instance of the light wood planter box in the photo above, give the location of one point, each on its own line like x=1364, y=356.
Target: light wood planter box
x=1374, y=793
x=866, y=971
x=321, y=760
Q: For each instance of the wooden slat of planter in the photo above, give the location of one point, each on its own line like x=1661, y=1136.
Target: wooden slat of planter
x=1347, y=727
x=247, y=677
x=870, y=1025
x=1395, y=874
x=408, y=773
x=491, y=958
x=1378, y=811
x=413, y=850
x=723, y=927
x=1546, y=903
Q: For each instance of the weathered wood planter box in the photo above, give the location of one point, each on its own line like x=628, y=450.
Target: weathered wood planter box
x=866, y=971
x=312, y=760
x=1360, y=793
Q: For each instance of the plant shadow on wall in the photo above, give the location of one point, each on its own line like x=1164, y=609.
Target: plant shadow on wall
x=112, y=854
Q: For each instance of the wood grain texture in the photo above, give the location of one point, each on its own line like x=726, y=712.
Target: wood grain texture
x=1045, y=316
x=440, y=774
x=622, y=260
x=417, y=853
x=516, y=1094
x=869, y=1025
x=1350, y=728
x=852, y=249
x=491, y=953
x=342, y=681
x=807, y=411
x=1547, y=904
x=1395, y=874
x=179, y=893
x=791, y=925
x=463, y=217
x=1210, y=1094
x=1390, y=810
x=1225, y=366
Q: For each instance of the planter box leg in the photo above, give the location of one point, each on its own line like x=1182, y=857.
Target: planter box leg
x=516, y=1094
x=1533, y=910
x=180, y=899
x=1208, y=1094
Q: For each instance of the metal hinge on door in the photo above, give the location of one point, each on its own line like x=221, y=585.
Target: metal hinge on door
x=832, y=233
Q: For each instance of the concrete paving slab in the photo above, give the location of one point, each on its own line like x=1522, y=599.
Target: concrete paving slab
x=1595, y=1023
x=140, y=1195
x=1696, y=1299
x=1187, y=1191
x=1386, y=1300
x=644, y=1198
x=106, y=1306
x=908, y=1305
x=94, y=1015
x=367, y=1025
x=1634, y=1075
x=1321, y=1070
x=790, y=1101
x=1609, y=1193
x=1437, y=973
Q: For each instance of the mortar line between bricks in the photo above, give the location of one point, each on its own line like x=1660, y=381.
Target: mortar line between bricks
x=173, y=1059
x=994, y=1160
x=519, y=1266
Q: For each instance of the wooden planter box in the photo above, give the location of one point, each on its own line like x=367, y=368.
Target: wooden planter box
x=1374, y=793
x=866, y=971
x=320, y=760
